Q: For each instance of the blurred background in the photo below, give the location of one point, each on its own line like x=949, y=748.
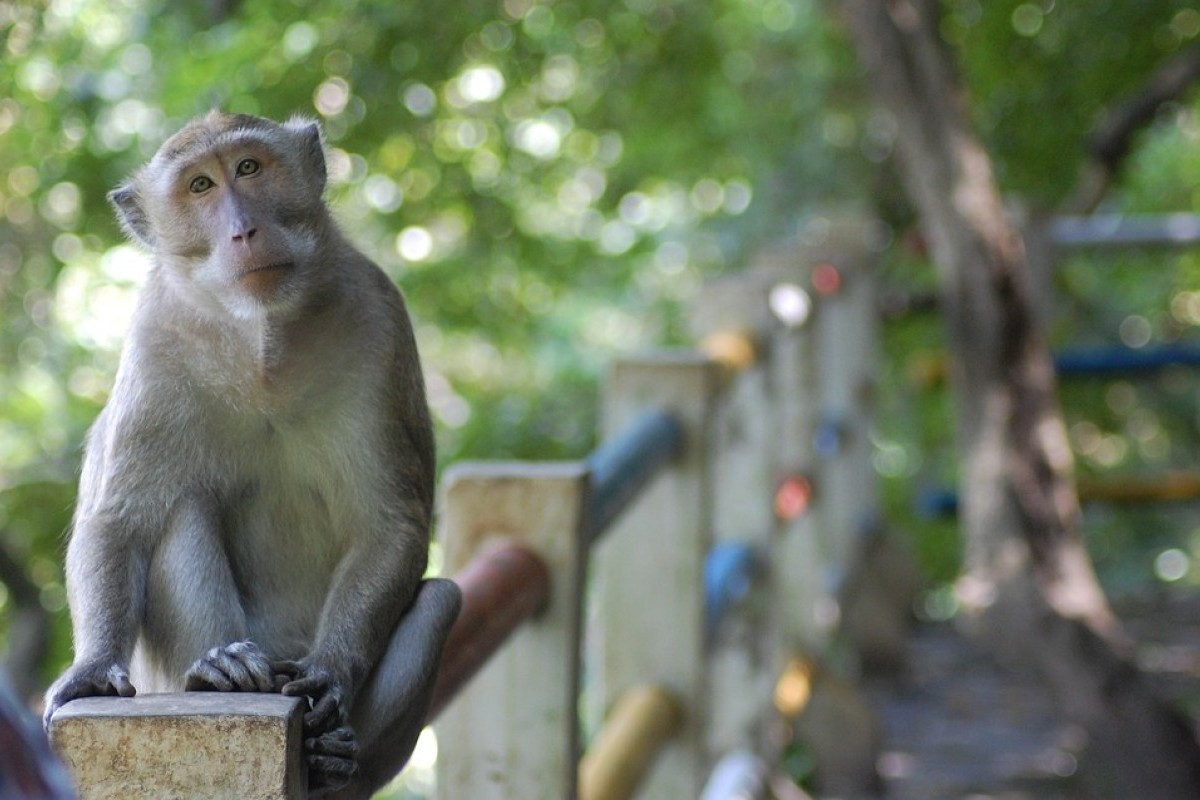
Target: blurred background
x=551, y=182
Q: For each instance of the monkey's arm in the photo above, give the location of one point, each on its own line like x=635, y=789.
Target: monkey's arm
x=106, y=582
x=120, y=504
x=372, y=587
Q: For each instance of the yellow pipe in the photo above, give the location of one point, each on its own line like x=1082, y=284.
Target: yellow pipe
x=734, y=350
x=643, y=719
x=1160, y=488
x=794, y=688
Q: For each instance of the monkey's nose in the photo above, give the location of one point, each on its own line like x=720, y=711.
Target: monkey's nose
x=245, y=236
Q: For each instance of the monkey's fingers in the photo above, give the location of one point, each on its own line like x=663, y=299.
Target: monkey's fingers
x=211, y=673
x=118, y=679
x=324, y=715
x=248, y=666
x=205, y=677
x=289, y=669
x=312, y=686
x=323, y=692
x=340, y=742
x=283, y=673
x=332, y=758
x=236, y=667
x=87, y=681
x=236, y=670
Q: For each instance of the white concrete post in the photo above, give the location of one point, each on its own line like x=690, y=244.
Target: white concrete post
x=649, y=569
x=513, y=730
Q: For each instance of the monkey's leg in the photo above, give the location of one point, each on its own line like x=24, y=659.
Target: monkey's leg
x=389, y=712
x=195, y=627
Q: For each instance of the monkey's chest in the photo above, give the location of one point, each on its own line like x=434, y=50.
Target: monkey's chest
x=293, y=509
x=283, y=549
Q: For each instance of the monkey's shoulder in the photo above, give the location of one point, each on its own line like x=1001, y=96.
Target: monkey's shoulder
x=376, y=290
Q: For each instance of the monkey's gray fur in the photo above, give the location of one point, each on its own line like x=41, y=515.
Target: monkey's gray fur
x=256, y=498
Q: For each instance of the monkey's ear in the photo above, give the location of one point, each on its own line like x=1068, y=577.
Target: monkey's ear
x=131, y=215
x=313, y=147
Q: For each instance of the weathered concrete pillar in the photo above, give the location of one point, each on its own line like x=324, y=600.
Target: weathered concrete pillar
x=212, y=745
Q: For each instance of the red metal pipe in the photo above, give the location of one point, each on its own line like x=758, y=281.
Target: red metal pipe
x=502, y=588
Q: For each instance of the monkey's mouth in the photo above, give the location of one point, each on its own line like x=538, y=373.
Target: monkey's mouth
x=277, y=265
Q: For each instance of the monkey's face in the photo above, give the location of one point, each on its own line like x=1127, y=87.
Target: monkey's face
x=232, y=206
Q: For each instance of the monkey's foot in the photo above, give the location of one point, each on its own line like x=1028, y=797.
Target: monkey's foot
x=236, y=667
x=332, y=758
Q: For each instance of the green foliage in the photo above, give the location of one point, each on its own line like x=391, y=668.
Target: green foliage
x=1134, y=427
x=1041, y=74
x=543, y=179
x=549, y=182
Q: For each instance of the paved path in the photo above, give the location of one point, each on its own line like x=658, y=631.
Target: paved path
x=956, y=725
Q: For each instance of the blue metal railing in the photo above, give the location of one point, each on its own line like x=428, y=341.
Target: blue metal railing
x=622, y=466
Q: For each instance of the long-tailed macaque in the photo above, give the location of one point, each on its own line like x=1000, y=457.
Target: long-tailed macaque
x=255, y=504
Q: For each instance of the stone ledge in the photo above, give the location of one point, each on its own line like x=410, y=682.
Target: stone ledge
x=211, y=745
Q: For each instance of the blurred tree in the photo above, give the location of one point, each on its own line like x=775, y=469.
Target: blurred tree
x=548, y=180
x=1028, y=582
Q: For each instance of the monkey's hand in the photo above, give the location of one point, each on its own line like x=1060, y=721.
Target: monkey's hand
x=97, y=678
x=326, y=692
x=330, y=748
x=236, y=667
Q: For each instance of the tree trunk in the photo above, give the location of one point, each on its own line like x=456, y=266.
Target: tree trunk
x=1028, y=584
x=29, y=626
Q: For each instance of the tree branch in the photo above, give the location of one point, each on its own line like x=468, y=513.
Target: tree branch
x=1112, y=141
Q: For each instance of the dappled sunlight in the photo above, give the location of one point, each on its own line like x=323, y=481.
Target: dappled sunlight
x=95, y=305
x=551, y=184
x=1053, y=439
x=419, y=776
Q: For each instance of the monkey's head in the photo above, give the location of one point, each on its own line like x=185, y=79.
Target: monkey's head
x=232, y=207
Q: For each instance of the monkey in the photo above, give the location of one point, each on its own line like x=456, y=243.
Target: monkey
x=256, y=496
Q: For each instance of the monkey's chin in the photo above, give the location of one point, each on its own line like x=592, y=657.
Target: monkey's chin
x=265, y=282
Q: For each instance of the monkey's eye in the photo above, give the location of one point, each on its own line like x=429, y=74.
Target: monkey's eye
x=200, y=184
x=248, y=166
